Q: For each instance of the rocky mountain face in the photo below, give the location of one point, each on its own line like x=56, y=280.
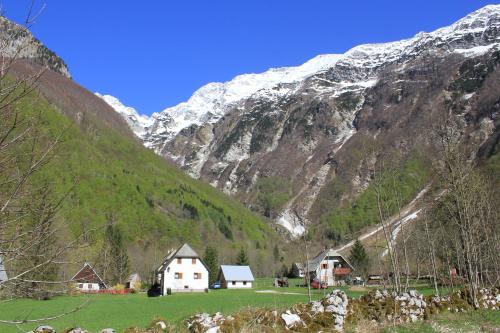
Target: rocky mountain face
x=17, y=41
x=294, y=143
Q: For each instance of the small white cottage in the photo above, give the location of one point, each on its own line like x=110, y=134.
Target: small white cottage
x=182, y=270
x=235, y=277
x=87, y=279
x=3, y=273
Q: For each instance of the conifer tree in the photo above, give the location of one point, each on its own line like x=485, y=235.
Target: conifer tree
x=211, y=259
x=359, y=258
x=242, y=258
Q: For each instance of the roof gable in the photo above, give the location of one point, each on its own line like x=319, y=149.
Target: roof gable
x=315, y=262
x=185, y=251
x=88, y=275
x=237, y=273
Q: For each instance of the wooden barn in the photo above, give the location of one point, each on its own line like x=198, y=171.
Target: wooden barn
x=87, y=279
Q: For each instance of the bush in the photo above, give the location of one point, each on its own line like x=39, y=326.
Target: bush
x=118, y=287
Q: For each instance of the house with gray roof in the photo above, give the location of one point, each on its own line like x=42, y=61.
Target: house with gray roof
x=182, y=270
x=329, y=266
x=235, y=277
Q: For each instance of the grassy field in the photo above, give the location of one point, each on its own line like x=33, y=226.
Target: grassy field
x=122, y=311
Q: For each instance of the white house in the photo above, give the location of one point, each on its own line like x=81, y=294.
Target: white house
x=87, y=279
x=233, y=277
x=182, y=270
x=329, y=266
x=3, y=273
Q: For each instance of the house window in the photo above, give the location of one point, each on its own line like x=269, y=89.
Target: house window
x=178, y=276
x=186, y=287
x=89, y=286
x=193, y=261
x=324, y=266
x=179, y=260
x=197, y=276
x=80, y=285
x=244, y=283
x=233, y=283
x=168, y=269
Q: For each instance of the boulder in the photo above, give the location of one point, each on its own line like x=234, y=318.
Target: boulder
x=44, y=329
x=77, y=330
x=108, y=330
x=291, y=319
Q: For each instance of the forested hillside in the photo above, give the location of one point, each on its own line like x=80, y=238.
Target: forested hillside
x=108, y=177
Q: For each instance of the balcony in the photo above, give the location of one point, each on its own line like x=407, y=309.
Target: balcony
x=342, y=271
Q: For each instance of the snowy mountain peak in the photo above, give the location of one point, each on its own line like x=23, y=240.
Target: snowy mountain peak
x=473, y=34
x=137, y=123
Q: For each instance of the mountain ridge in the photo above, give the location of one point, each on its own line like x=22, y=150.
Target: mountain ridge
x=224, y=92
x=302, y=132
x=17, y=42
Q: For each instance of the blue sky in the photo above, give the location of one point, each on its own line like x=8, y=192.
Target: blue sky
x=152, y=54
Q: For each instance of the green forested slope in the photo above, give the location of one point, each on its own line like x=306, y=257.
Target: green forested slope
x=109, y=176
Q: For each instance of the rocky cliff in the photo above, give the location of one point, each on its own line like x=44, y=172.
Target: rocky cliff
x=296, y=143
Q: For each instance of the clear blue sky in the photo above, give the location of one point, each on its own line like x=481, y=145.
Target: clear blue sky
x=152, y=54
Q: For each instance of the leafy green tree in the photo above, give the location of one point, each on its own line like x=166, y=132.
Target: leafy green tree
x=359, y=258
x=242, y=258
x=211, y=259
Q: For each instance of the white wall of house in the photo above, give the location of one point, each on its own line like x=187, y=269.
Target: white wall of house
x=239, y=284
x=87, y=286
x=180, y=276
x=325, y=271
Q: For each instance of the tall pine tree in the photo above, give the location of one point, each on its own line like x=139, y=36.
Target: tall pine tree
x=211, y=259
x=242, y=258
x=359, y=258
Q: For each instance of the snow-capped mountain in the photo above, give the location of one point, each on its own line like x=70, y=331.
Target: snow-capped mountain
x=302, y=124
x=212, y=101
x=137, y=123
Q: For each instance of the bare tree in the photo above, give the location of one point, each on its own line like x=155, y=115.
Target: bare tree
x=466, y=210
x=305, y=257
x=29, y=246
x=384, y=201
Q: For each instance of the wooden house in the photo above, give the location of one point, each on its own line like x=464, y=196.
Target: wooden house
x=329, y=266
x=87, y=279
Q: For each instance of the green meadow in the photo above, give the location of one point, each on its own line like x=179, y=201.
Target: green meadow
x=123, y=311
